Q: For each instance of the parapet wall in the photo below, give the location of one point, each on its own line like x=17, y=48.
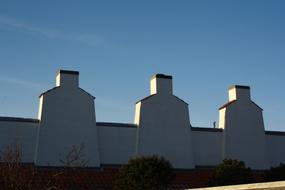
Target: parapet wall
x=275, y=142
x=207, y=146
x=116, y=142
x=19, y=131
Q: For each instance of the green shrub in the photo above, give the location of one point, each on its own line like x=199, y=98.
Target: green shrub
x=231, y=172
x=151, y=173
x=276, y=173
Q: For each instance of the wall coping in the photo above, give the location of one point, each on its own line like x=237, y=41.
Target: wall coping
x=19, y=119
x=206, y=129
x=111, y=124
x=253, y=186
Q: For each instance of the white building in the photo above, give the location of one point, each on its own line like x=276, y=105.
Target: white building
x=161, y=127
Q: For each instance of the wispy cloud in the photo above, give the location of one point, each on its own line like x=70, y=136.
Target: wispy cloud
x=22, y=82
x=87, y=39
x=50, y=33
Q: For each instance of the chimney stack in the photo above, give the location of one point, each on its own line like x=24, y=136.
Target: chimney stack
x=238, y=92
x=65, y=78
x=161, y=84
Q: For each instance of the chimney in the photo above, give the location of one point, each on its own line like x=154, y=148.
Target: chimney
x=161, y=84
x=238, y=92
x=65, y=78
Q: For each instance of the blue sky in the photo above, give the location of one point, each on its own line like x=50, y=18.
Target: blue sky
x=118, y=45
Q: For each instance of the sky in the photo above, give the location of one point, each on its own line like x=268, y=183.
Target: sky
x=118, y=45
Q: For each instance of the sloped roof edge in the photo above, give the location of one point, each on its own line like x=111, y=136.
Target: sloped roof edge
x=156, y=94
x=59, y=87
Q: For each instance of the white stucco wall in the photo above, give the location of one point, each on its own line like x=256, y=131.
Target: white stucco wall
x=244, y=135
x=275, y=147
x=116, y=143
x=164, y=126
x=207, y=146
x=161, y=127
x=67, y=119
x=22, y=133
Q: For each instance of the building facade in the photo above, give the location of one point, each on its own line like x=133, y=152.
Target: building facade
x=161, y=127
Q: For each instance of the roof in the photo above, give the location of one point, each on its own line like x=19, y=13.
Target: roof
x=156, y=94
x=162, y=76
x=110, y=124
x=231, y=102
x=280, y=133
x=59, y=87
x=256, y=105
x=87, y=92
x=49, y=90
x=180, y=99
x=67, y=72
x=19, y=119
x=227, y=104
x=239, y=86
x=204, y=129
x=146, y=98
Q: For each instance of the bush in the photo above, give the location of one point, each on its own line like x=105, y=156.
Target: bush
x=16, y=176
x=231, y=172
x=152, y=173
x=12, y=171
x=276, y=173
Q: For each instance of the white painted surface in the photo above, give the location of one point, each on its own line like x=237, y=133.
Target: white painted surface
x=238, y=93
x=68, y=119
x=160, y=86
x=40, y=107
x=207, y=148
x=244, y=136
x=164, y=126
x=117, y=144
x=137, y=113
x=21, y=133
x=222, y=118
x=67, y=80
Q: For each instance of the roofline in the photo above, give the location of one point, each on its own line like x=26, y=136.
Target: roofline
x=180, y=99
x=59, y=87
x=256, y=105
x=47, y=91
x=87, y=92
x=227, y=104
x=233, y=101
x=145, y=98
x=204, y=129
x=239, y=86
x=163, y=76
x=111, y=124
x=19, y=119
x=67, y=72
x=280, y=133
x=148, y=97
